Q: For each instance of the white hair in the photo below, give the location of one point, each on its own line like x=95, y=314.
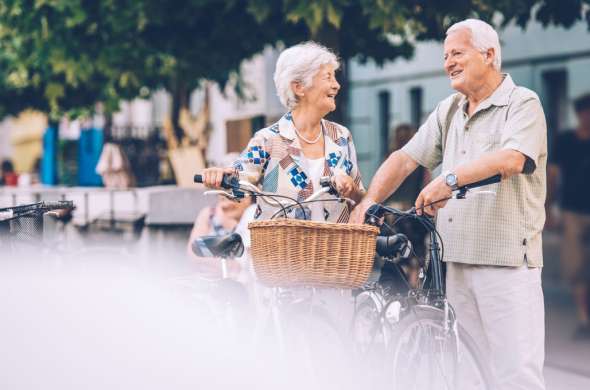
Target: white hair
x=483, y=37
x=300, y=63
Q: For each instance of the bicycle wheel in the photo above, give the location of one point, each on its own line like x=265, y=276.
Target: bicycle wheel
x=424, y=354
x=368, y=330
x=315, y=343
x=370, y=334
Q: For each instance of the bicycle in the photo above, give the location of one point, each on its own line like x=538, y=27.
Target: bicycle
x=225, y=292
x=417, y=336
x=425, y=309
x=22, y=227
x=296, y=318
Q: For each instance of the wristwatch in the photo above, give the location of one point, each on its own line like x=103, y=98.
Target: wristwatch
x=450, y=179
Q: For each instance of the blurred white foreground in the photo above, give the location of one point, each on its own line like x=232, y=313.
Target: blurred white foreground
x=105, y=323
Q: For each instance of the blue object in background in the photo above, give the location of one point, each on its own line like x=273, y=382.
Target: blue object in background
x=89, y=149
x=49, y=158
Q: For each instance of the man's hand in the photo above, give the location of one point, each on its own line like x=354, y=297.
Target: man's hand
x=358, y=214
x=435, y=190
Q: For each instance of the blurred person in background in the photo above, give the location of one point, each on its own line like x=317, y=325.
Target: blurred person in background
x=223, y=218
x=570, y=166
x=219, y=220
x=290, y=156
x=8, y=176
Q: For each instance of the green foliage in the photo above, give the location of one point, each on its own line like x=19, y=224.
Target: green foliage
x=386, y=29
x=62, y=56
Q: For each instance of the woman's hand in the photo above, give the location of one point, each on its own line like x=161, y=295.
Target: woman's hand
x=212, y=176
x=345, y=186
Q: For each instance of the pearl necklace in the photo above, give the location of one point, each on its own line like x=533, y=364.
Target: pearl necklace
x=310, y=141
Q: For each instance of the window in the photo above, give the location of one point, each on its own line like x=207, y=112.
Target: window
x=416, y=106
x=555, y=102
x=384, y=104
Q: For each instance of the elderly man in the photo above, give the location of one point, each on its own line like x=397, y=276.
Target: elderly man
x=492, y=242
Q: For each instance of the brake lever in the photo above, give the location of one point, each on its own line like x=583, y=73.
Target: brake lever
x=462, y=193
x=326, y=182
x=226, y=194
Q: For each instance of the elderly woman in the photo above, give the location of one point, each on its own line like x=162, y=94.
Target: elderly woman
x=290, y=156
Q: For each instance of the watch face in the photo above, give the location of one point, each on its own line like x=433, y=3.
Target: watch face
x=451, y=179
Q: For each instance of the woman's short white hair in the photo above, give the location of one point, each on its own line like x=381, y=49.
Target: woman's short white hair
x=483, y=37
x=300, y=63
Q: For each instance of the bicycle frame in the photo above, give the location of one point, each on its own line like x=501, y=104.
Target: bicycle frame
x=435, y=295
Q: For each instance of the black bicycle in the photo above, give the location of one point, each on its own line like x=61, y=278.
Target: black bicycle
x=23, y=227
x=416, y=336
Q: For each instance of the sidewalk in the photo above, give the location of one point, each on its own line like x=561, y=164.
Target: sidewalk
x=562, y=352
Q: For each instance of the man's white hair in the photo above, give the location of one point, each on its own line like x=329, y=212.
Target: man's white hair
x=300, y=63
x=483, y=37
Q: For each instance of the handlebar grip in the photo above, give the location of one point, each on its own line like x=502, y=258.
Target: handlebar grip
x=228, y=181
x=373, y=215
x=484, y=182
x=326, y=182
x=391, y=246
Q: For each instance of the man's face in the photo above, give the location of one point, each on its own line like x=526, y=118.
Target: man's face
x=466, y=66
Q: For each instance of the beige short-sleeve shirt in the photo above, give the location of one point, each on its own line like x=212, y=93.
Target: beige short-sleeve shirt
x=502, y=227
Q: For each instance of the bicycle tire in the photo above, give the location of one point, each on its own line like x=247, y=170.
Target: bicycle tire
x=314, y=339
x=370, y=333
x=459, y=354
x=368, y=328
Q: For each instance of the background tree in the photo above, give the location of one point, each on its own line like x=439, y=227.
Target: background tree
x=62, y=56
x=383, y=30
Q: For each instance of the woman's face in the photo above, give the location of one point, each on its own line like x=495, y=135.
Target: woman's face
x=322, y=92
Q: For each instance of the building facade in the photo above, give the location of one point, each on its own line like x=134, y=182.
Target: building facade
x=554, y=62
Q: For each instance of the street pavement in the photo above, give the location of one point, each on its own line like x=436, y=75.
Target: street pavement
x=567, y=362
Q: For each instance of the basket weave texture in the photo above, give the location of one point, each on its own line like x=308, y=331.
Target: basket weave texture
x=293, y=253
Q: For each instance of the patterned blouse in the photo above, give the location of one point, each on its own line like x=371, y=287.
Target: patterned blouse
x=273, y=161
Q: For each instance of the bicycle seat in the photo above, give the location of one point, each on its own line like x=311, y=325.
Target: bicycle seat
x=227, y=246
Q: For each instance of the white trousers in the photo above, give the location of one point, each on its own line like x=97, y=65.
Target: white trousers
x=502, y=309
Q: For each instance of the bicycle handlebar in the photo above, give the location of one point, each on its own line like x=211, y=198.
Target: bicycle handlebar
x=240, y=188
x=8, y=213
x=228, y=181
x=481, y=183
x=57, y=205
x=41, y=206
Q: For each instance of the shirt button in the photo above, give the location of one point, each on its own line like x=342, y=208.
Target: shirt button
x=450, y=219
x=463, y=152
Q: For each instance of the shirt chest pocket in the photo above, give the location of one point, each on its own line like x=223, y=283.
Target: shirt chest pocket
x=486, y=142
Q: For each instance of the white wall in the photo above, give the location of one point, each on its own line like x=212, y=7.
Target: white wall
x=5, y=134
x=262, y=100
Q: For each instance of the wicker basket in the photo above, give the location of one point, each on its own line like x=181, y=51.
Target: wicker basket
x=291, y=253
